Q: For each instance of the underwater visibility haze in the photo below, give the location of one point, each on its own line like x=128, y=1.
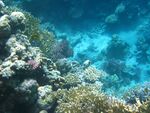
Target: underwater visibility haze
x=74, y=56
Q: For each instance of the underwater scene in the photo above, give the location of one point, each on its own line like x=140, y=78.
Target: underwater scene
x=74, y=56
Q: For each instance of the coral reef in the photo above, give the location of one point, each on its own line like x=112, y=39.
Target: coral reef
x=37, y=77
x=23, y=68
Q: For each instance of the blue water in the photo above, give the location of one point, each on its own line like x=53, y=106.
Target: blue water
x=113, y=35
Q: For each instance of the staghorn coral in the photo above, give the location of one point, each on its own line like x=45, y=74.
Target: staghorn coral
x=37, y=36
x=71, y=80
x=85, y=99
x=32, y=27
x=144, y=107
x=139, y=95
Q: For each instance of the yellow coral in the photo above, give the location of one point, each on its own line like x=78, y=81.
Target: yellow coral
x=85, y=99
x=72, y=80
x=144, y=107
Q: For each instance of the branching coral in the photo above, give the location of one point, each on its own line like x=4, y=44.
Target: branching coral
x=140, y=92
x=139, y=96
x=72, y=80
x=84, y=99
x=91, y=74
x=145, y=107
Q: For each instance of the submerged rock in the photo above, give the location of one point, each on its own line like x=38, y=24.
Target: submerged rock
x=11, y=23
